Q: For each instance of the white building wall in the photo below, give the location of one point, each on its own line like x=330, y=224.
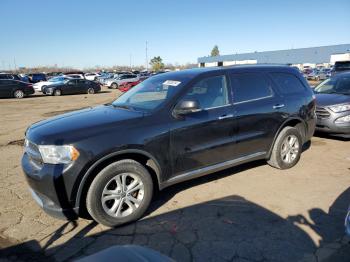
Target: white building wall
x=211, y=64
x=340, y=57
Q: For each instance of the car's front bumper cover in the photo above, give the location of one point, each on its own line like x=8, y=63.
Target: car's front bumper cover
x=326, y=122
x=48, y=189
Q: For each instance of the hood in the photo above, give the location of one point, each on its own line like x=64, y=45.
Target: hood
x=331, y=99
x=80, y=124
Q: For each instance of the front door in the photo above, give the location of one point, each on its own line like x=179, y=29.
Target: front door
x=204, y=138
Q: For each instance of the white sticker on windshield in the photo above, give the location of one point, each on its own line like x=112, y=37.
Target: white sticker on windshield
x=171, y=83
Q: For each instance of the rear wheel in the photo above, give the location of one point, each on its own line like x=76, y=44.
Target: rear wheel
x=287, y=149
x=114, y=85
x=120, y=193
x=57, y=92
x=18, y=94
x=91, y=91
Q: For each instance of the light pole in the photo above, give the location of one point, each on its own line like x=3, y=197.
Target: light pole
x=146, y=55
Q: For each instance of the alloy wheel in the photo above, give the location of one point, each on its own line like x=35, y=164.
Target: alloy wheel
x=122, y=195
x=290, y=149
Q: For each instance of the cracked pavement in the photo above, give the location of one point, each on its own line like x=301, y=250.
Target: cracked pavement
x=247, y=213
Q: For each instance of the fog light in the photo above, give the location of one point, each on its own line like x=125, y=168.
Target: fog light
x=343, y=120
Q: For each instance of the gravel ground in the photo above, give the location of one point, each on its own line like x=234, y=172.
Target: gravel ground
x=247, y=213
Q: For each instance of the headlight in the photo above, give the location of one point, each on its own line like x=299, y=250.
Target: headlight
x=58, y=154
x=343, y=120
x=340, y=108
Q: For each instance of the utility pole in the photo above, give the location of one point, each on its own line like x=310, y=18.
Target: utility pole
x=14, y=63
x=130, y=62
x=146, y=55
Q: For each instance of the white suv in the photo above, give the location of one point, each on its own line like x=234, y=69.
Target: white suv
x=115, y=82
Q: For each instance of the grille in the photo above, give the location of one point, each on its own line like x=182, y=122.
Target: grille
x=322, y=113
x=33, y=153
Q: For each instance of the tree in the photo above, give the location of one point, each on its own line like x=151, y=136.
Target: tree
x=215, y=51
x=157, y=63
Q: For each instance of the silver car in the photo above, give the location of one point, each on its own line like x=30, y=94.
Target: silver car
x=333, y=105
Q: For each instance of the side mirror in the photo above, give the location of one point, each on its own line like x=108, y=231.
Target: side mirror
x=186, y=106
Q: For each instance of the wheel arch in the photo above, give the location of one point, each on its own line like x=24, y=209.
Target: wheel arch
x=143, y=157
x=297, y=122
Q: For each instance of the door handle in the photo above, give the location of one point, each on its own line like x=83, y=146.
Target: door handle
x=278, y=106
x=225, y=116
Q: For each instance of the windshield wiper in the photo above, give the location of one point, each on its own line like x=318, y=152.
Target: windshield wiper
x=124, y=107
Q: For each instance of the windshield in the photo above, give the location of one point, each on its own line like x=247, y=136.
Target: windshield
x=149, y=94
x=339, y=85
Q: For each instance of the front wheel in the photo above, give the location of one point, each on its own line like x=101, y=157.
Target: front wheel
x=114, y=85
x=57, y=92
x=287, y=149
x=120, y=193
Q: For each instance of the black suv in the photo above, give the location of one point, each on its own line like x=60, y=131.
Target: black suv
x=172, y=127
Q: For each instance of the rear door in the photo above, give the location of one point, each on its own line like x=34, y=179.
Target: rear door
x=204, y=138
x=83, y=85
x=259, y=111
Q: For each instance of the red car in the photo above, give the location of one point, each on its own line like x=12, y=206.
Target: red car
x=127, y=86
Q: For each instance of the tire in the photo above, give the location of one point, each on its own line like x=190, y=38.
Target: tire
x=91, y=91
x=19, y=94
x=57, y=92
x=284, y=143
x=114, y=85
x=43, y=88
x=104, y=182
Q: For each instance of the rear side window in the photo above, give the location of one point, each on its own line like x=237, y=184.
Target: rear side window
x=3, y=76
x=250, y=86
x=288, y=83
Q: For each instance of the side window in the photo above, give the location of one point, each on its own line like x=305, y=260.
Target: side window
x=250, y=86
x=209, y=92
x=288, y=83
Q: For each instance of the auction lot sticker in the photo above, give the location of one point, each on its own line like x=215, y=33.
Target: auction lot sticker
x=171, y=83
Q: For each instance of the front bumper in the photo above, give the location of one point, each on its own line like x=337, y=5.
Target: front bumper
x=49, y=188
x=326, y=122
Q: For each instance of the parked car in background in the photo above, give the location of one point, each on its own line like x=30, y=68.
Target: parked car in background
x=168, y=129
x=72, y=86
x=9, y=76
x=53, y=74
x=91, y=76
x=37, y=77
x=340, y=66
x=38, y=87
x=24, y=78
x=104, y=77
x=333, y=105
x=317, y=75
x=14, y=88
x=115, y=82
x=76, y=76
x=128, y=85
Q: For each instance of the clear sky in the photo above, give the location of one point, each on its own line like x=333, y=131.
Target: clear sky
x=84, y=33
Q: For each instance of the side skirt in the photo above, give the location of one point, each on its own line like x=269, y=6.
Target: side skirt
x=212, y=169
